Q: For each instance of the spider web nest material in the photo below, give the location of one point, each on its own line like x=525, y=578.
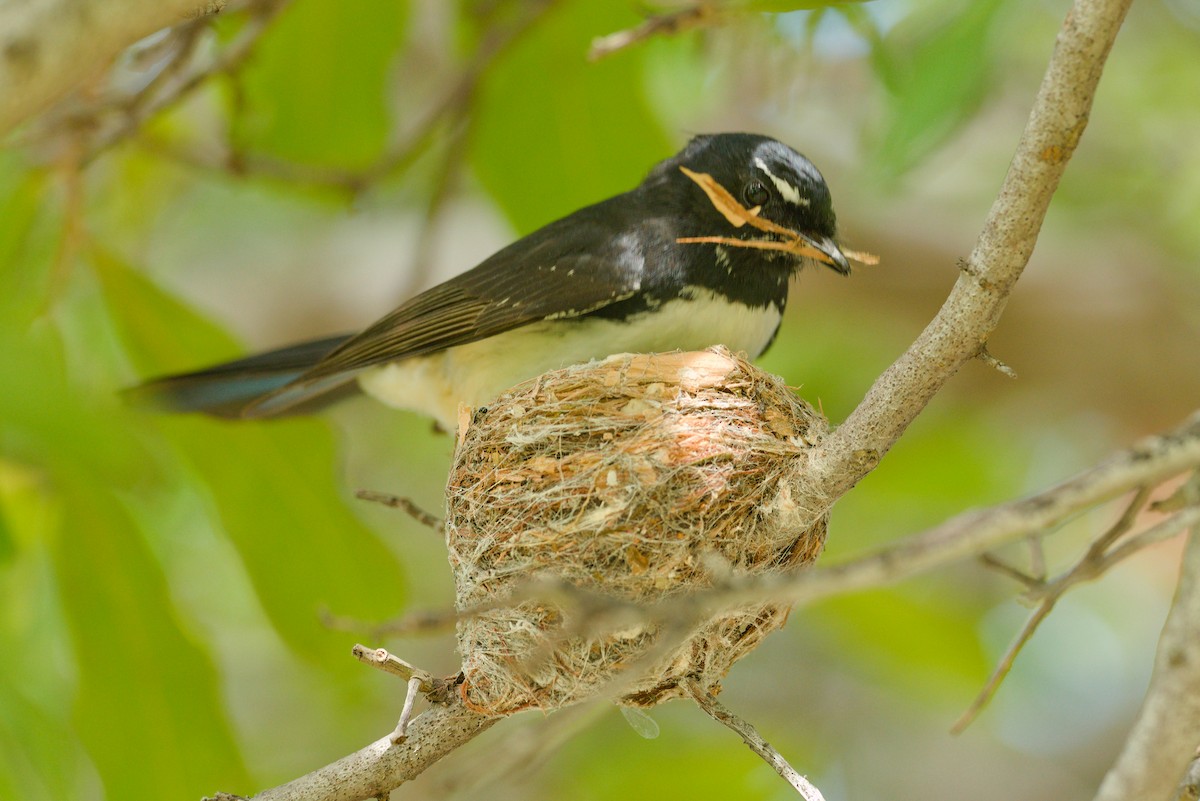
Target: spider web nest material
x=637, y=477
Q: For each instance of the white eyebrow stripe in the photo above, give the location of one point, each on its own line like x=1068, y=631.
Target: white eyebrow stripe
x=790, y=193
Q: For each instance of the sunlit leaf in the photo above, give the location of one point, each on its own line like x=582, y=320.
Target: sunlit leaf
x=40, y=756
x=555, y=132
x=937, y=75
x=26, y=247
x=273, y=485
x=317, y=88
x=137, y=667
x=783, y=6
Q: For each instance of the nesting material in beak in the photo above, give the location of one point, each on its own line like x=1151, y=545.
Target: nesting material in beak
x=825, y=251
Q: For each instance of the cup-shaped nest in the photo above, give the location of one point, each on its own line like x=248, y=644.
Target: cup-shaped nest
x=637, y=478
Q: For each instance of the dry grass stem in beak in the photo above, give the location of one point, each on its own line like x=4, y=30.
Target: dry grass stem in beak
x=738, y=216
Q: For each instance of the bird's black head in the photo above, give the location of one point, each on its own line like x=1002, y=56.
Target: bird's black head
x=763, y=173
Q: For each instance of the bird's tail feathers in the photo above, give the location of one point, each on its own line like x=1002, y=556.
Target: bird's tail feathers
x=235, y=389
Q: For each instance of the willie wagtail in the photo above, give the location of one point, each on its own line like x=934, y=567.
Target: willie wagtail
x=611, y=278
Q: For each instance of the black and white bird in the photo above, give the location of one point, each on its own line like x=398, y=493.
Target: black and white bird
x=610, y=278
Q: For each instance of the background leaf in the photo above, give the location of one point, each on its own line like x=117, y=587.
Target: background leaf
x=937, y=74
x=550, y=120
x=342, y=54
x=273, y=486
x=145, y=673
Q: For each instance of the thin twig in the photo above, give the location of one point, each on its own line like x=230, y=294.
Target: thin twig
x=158, y=96
x=1167, y=729
x=400, y=733
x=750, y=736
x=405, y=505
x=991, y=361
x=1037, y=559
x=390, y=663
x=698, y=15
x=1121, y=527
x=1091, y=566
x=412, y=624
x=1016, y=574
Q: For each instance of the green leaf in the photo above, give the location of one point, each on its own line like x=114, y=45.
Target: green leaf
x=159, y=331
x=275, y=491
x=40, y=757
x=317, y=88
x=139, y=672
x=272, y=484
x=26, y=247
x=938, y=75
x=784, y=6
x=554, y=132
x=921, y=640
x=45, y=420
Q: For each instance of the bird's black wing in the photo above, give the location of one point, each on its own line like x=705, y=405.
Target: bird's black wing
x=569, y=268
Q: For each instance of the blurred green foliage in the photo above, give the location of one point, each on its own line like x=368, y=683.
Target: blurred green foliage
x=342, y=54
x=162, y=580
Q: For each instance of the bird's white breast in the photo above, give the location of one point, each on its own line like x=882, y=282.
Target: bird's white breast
x=479, y=371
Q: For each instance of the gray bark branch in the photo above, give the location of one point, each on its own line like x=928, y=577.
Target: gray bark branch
x=961, y=328
x=1167, y=731
x=48, y=47
x=376, y=769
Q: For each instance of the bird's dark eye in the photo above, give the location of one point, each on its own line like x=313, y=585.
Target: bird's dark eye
x=756, y=194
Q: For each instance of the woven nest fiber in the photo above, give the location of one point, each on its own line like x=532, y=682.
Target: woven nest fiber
x=637, y=477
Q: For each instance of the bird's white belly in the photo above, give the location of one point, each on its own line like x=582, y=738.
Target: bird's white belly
x=475, y=373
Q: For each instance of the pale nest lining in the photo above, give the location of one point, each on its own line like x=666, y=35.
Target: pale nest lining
x=633, y=477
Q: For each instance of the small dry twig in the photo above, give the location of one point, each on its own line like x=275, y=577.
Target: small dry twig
x=697, y=15
x=738, y=216
x=419, y=681
x=750, y=736
x=991, y=361
x=389, y=663
x=174, y=83
x=1094, y=563
x=406, y=505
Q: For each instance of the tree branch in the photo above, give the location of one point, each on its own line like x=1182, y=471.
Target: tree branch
x=1149, y=462
x=1167, y=730
x=47, y=47
x=381, y=766
x=755, y=742
x=1093, y=564
x=961, y=328
x=1189, y=788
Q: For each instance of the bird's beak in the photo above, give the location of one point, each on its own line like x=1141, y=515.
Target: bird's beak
x=834, y=259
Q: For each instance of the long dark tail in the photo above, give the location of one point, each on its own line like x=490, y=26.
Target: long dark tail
x=224, y=390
